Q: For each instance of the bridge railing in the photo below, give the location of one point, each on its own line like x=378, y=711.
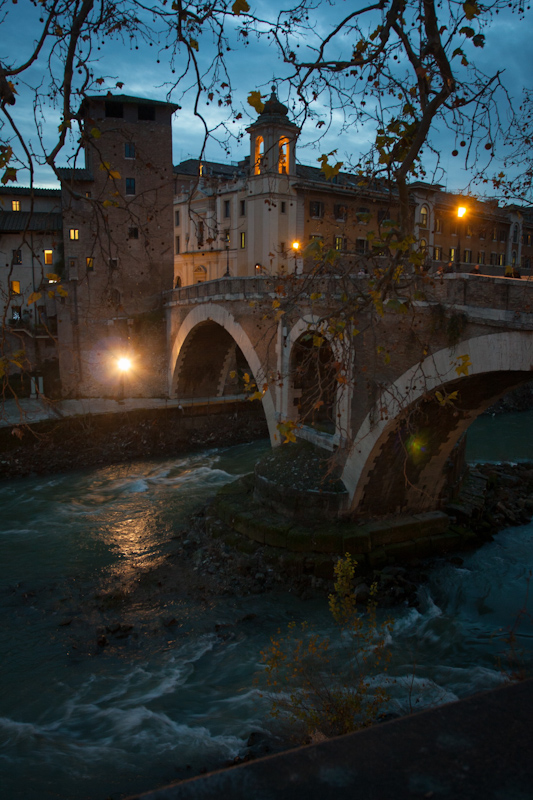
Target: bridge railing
x=481, y=291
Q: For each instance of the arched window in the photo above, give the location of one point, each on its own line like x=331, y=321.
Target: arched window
x=514, y=258
x=423, y=245
x=283, y=163
x=424, y=217
x=200, y=274
x=259, y=155
x=177, y=283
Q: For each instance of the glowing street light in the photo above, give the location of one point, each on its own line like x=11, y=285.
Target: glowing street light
x=124, y=364
x=295, y=248
x=461, y=211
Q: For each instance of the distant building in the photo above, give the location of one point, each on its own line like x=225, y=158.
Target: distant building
x=117, y=232
x=243, y=218
x=31, y=248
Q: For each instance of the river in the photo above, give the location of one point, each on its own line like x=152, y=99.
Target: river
x=98, y=724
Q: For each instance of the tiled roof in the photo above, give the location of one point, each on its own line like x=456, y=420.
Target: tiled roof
x=69, y=174
x=18, y=221
x=26, y=191
x=129, y=98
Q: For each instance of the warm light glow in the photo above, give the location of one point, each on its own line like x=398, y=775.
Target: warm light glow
x=461, y=211
x=124, y=364
x=296, y=245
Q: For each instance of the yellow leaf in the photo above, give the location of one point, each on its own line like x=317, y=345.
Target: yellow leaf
x=440, y=398
x=256, y=396
x=105, y=166
x=108, y=203
x=246, y=377
x=114, y=174
x=95, y=133
x=240, y=7
x=462, y=368
x=34, y=296
x=254, y=100
x=317, y=340
x=275, y=304
x=233, y=374
x=278, y=315
x=52, y=277
x=316, y=296
x=62, y=292
x=194, y=44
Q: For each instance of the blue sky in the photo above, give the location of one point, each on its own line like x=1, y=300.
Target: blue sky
x=253, y=67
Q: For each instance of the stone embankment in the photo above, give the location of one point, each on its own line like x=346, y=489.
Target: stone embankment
x=93, y=440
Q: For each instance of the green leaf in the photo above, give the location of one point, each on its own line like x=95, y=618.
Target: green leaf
x=194, y=44
x=467, y=31
x=479, y=40
x=329, y=170
x=96, y=133
x=240, y=7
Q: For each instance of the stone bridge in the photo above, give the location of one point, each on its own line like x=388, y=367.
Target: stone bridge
x=395, y=418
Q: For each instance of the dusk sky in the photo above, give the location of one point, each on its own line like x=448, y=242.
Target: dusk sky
x=253, y=67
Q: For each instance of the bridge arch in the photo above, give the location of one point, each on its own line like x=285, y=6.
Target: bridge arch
x=205, y=322
x=290, y=398
x=398, y=458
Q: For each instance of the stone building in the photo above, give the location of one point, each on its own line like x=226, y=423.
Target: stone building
x=31, y=249
x=243, y=218
x=117, y=231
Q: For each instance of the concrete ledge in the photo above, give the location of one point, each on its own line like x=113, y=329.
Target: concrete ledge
x=475, y=749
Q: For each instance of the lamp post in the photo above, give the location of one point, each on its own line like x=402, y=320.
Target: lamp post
x=227, y=273
x=461, y=211
x=124, y=365
x=295, y=248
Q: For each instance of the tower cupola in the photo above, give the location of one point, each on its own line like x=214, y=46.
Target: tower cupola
x=273, y=140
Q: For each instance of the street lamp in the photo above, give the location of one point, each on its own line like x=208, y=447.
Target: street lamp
x=124, y=366
x=295, y=248
x=227, y=273
x=461, y=211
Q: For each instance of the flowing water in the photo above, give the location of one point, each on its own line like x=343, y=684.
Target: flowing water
x=103, y=723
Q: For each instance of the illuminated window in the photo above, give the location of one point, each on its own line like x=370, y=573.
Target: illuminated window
x=481, y=257
x=283, y=163
x=130, y=185
x=48, y=257
x=424, y=216
x=339, y=243
x=438, y=225
x=15, y=205
x=243, y=240
x=437, y=253
x=469, y=230
x=15, y=287
x=453, y=253
x=494, y=235
x=501, y=259
x=89, y=262
x=468, y=257
x=201, y=169
x=259, y=155
x=129, y=150
x=423, y=245
x=74, y=234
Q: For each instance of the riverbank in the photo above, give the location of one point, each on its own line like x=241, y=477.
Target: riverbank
x=81, y=441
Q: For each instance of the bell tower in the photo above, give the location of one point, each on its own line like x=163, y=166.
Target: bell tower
x=273, y=140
